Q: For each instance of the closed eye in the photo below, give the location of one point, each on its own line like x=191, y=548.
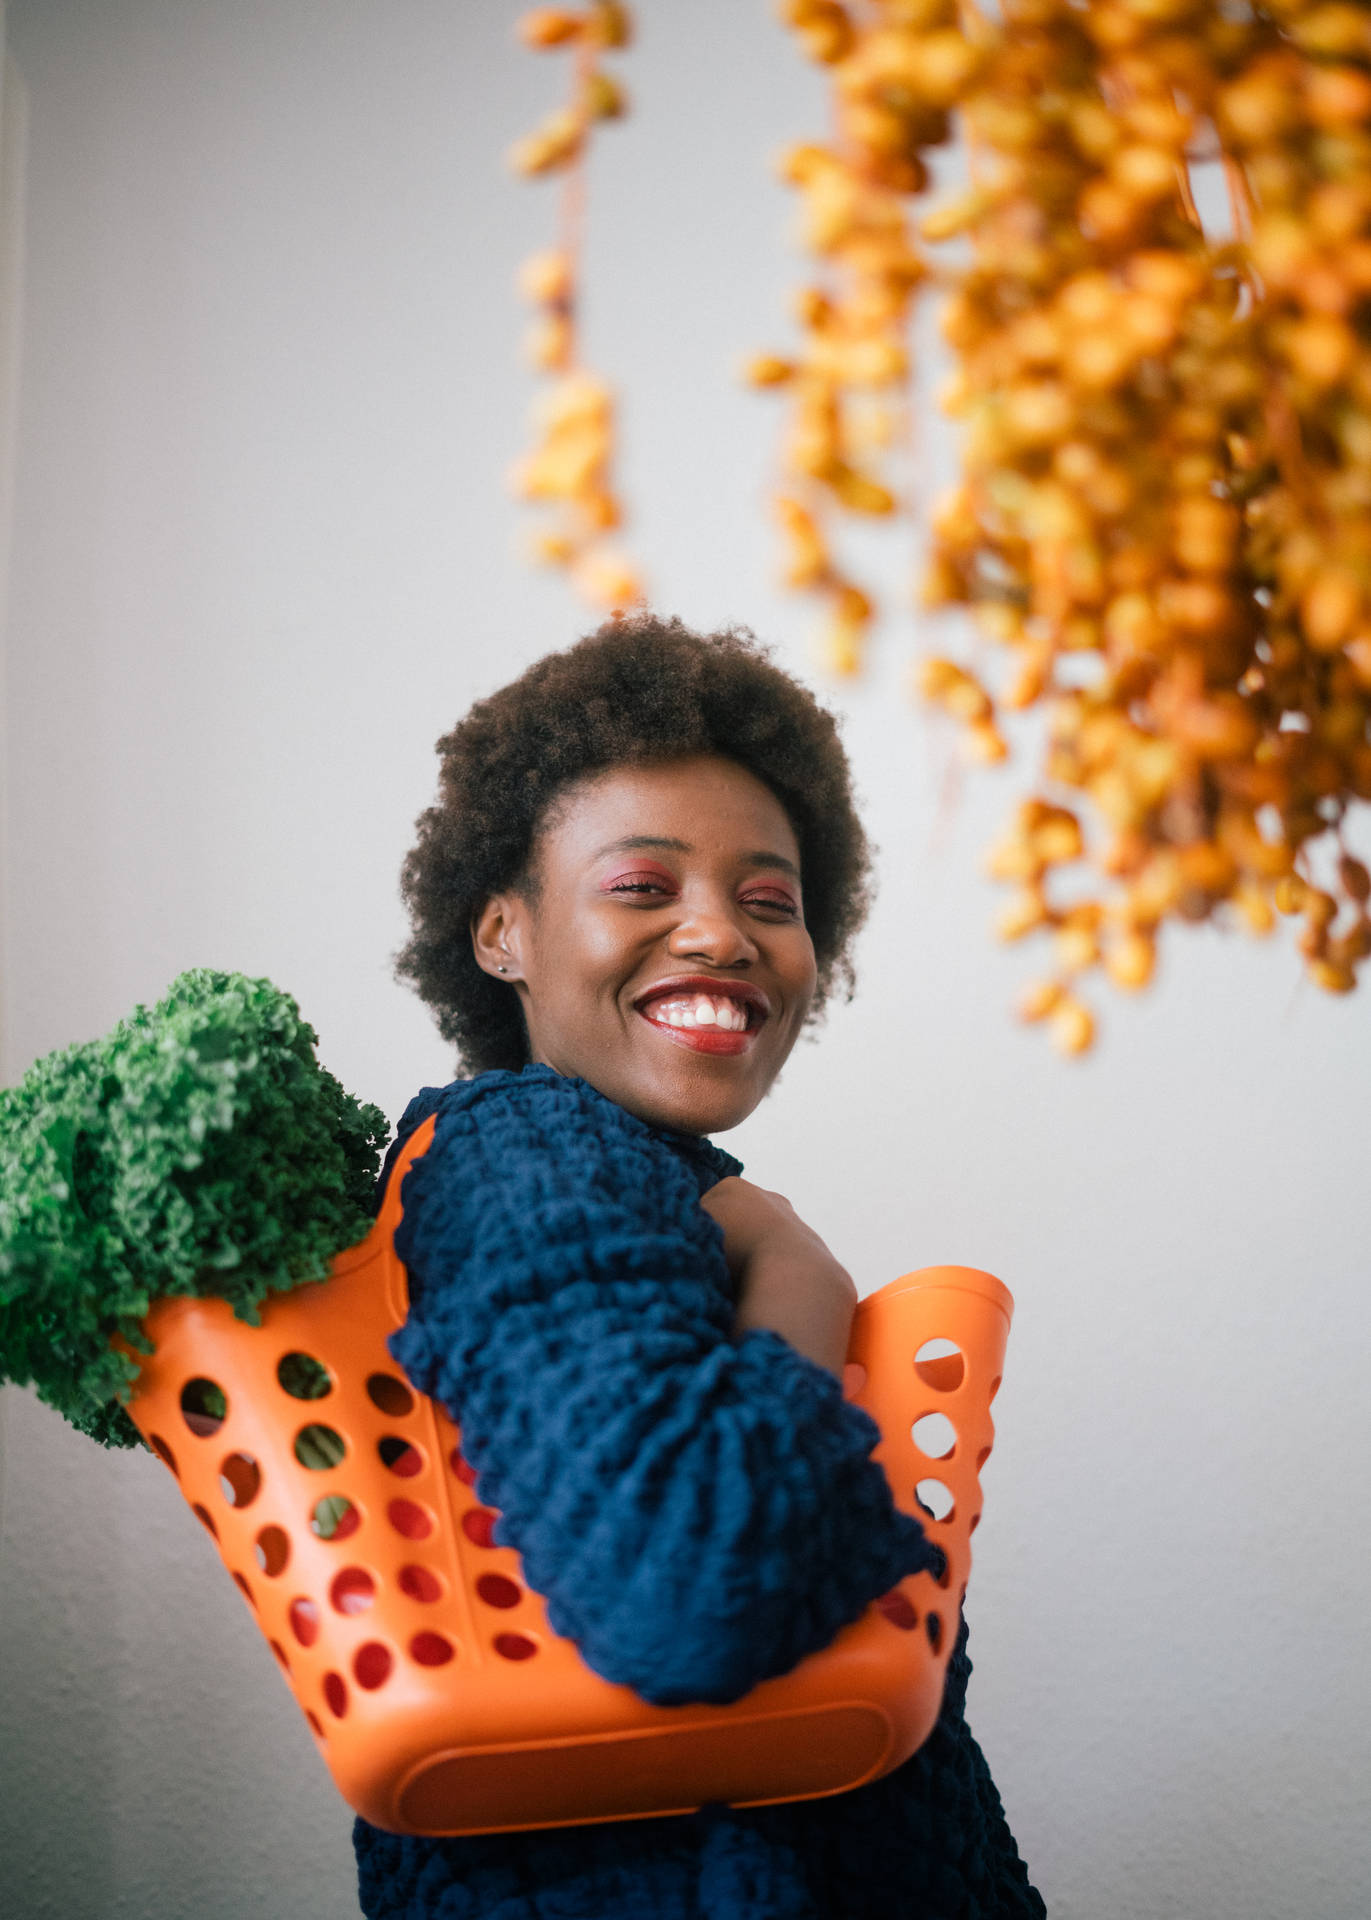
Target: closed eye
x=641, y=883
x=777, y=902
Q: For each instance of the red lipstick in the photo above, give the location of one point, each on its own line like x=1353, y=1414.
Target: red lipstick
x=706, y=1038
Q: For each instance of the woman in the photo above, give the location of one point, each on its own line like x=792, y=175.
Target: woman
x=639, y=884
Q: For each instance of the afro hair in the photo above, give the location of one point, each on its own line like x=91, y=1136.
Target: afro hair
x=638, y=690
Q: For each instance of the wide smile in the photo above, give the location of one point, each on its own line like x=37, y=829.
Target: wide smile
x=705, y=1015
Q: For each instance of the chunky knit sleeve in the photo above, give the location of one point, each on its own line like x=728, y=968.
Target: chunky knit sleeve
x=698, y=1511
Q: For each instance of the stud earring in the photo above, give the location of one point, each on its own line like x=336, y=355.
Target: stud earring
x=502, y=969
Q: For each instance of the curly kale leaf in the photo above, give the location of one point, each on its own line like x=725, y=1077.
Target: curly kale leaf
x=199, y=1149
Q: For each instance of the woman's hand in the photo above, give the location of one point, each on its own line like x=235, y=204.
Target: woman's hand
x=789, y=1282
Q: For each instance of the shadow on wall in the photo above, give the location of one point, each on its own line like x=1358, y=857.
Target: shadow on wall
x=66, y=1491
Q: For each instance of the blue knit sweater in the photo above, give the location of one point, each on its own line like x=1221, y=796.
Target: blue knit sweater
x=699, y=1511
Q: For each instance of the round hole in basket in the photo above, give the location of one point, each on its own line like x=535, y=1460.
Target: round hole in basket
x=390, y=1394
x=372, y=1664
x=498, y=1591
x=352, y=1591
x=240, y=1479
x=204, y=1519
x=478, y=1524
x=431, y=1649
x=304, y=1621
x=204, y=1406
x=420, y=1583
x=982, y=1457
x=995, y=1386
x=399, y=1456
x=514, y=1646
x=336, y=1694
x=272, y=1551
x=410, y=1519
x=935, y=1497
x=899, y=1610
x=245, y=1590
x=463, y=1468
x=314, y=1725
x=933, y=1627
x=319, y=1448
x=934, y=1435
x=303, y=1377
x=334, y=1517
x=280, y=1653
x=940, y=1364
x=164, y=1453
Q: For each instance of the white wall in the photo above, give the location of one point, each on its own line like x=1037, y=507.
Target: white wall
x=261, y=558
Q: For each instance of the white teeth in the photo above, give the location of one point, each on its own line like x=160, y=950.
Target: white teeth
x=700, y=1010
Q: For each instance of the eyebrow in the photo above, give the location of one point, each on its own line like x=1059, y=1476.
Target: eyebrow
x=635, y=842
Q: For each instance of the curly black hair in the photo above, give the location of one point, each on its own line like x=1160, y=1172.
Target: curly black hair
x=638, y=689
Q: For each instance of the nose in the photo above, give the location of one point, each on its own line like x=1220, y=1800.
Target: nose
x=712, y=930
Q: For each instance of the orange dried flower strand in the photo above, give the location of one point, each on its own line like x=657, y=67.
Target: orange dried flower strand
x=1163, y=524
x=895, y=70
x=569, y=469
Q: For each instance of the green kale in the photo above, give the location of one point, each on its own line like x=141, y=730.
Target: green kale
x=199, y=1149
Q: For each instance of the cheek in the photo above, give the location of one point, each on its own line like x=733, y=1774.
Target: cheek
x=805, y=974
x=583, y=961
x=606, y=956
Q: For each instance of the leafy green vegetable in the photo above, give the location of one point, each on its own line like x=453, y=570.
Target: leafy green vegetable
x=330, y=1514
x=303, y=1378
x=199, y=1149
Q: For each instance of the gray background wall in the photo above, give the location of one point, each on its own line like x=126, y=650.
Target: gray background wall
x=261, y=557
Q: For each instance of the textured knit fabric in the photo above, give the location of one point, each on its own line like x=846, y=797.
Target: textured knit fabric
x=699, y=1511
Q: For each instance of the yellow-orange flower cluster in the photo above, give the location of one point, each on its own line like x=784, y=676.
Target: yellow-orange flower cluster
x=896, y=71
x=569, y=470
x=1163, y=522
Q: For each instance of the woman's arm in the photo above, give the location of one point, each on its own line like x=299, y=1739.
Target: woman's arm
x=699, y=1511
x=788, y=1280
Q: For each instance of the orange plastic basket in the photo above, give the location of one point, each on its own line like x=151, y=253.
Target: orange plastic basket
x=441, y=1700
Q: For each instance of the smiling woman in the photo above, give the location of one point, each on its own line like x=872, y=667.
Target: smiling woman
x=673, y=973
x=639, y=693
x=639, y=883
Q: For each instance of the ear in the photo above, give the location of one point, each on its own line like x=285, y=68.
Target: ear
x=497, y=936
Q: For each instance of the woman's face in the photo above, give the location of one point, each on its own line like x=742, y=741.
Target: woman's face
x=662, y=954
